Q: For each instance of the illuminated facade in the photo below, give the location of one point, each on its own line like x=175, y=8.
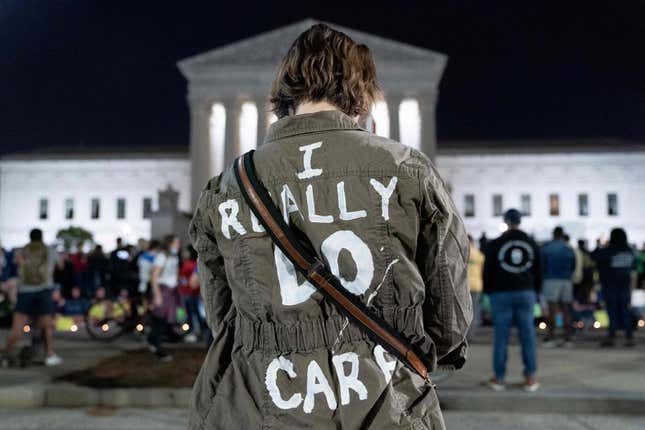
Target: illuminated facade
x=110, y=194
x=588, y=187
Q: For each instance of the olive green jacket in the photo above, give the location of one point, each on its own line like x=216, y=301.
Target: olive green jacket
x=283, y=357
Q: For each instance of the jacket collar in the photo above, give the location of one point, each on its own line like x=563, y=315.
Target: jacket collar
x=310, y=123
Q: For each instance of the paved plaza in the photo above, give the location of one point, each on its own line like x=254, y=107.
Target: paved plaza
x=582, y=388
x=585, y=367
x=175, y=419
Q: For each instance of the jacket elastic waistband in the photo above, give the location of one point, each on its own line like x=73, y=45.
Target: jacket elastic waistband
x=300, y=337
x=316, y=333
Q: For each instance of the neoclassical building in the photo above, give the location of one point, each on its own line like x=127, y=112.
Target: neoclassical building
x=228, y=90
x=587, y=186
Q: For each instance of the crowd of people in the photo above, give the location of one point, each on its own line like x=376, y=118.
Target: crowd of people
x=42, y=284
x=570, y=284
x=512, y=271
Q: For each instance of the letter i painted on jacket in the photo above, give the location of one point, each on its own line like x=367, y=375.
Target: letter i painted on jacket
x=385, y=193
x=309, y=172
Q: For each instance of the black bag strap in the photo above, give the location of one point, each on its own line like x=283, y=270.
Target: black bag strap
x=316, y=272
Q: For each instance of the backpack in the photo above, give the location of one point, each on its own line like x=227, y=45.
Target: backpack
x=34, y=269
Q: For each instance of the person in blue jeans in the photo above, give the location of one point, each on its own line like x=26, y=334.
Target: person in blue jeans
x=512, y=277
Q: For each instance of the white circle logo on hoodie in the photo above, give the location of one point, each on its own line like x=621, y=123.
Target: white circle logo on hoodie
x=516, y=256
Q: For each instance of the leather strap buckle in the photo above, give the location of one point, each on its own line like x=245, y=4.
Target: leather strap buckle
x=317, y=267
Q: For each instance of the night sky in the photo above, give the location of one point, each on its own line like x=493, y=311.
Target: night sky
x=103, y=73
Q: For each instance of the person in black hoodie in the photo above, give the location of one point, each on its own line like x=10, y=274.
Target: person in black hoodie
x=121, y=272
x=615, y=263
x=99, y=268
x=512, y=277
x=64, y=274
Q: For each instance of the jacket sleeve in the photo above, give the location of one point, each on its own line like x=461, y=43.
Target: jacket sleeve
x=442, y=258
x=214, y=287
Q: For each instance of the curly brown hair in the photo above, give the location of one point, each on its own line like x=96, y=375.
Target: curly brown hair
x=324, y=64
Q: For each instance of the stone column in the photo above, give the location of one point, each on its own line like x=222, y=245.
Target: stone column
x=216, y=158
x=427, y=108
x=263, y=122
x=232, y=134
x=393, y=103
x=200, y=156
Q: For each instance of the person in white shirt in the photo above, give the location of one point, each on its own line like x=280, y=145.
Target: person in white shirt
x=145, y=264
x=165, y=295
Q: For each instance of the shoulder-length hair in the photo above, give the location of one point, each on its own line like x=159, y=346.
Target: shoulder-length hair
x=325, y=65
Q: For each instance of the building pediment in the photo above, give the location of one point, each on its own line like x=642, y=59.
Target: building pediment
x=264, y=51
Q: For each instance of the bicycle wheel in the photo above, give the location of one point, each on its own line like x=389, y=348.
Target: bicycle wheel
x=105, y=321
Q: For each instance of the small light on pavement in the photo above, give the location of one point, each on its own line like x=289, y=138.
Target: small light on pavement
x=105, y=327
x=73, y=328
x=139, y=327
x=542, y=326
x=596, y=324
x=185, y=327
x=641, y=323
x=26, y=328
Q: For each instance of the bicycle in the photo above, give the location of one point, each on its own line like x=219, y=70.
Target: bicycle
x=108, y=320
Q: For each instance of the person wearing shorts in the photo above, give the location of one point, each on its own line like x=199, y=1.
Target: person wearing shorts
x=558, y=291
x=558, y=265
x=35, y=272
x=35, y=302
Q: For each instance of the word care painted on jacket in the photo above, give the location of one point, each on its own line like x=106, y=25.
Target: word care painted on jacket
x=293, y=293
x=317, y=382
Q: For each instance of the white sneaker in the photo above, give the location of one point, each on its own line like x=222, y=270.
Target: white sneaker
x=53, y=360
x=531, y=387
x=496, y=385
